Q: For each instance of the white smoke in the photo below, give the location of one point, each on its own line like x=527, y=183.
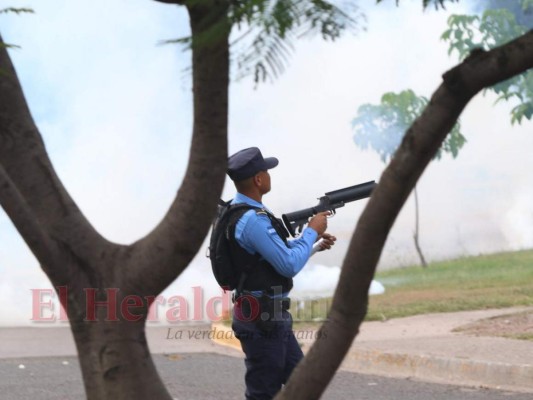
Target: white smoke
x=16, y=295
x=195, y=285
x=317, y=280
x=517, y=223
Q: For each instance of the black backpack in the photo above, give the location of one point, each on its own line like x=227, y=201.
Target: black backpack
x=229, y=273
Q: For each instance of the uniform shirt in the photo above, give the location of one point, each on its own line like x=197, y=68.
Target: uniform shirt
x=255, y=233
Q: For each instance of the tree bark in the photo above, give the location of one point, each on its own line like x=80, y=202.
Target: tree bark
x=420, y=144
x=89, y=272
x=417, y=232
x=175, y=241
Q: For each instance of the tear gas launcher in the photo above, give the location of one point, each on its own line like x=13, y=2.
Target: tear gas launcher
x=295, y=221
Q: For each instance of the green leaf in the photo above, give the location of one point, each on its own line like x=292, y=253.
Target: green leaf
x=493, y=28
x=521, y=111
x=381, y=127
x=15, y=10
x=527, y=5
x=446, y=35
x=187, y=40
x=9, y=46
x=436, y=3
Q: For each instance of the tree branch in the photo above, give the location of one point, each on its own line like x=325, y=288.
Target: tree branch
x=420, y=144
x=25, y=162
x=169, y=248
x=42, y=246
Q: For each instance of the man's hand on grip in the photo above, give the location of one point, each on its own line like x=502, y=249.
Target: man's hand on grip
x=319, y=222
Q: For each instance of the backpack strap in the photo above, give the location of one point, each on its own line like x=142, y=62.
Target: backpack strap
x=277, y=224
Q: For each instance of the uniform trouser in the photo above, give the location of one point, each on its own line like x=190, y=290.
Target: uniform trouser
x=271, y=355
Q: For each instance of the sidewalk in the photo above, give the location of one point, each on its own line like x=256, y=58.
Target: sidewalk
x=57, y=341
x=424, y=347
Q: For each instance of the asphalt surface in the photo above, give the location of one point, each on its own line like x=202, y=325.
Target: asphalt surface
x=206, y=376
x=41, y=363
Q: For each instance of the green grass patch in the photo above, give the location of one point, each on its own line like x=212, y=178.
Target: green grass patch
x=523, y=336
x=472, y=283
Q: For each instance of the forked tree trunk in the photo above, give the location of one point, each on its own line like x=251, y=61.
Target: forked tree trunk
x=420, y=144
x=113, y=353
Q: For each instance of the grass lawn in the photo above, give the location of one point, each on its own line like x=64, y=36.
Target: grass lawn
x=471, y=283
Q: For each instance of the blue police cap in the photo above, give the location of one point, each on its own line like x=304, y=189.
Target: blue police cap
x=248, y=162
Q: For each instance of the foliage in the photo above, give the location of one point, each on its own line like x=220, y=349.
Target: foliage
x=269, y=28
x=13, y=10
x=522, y=9
x=9, y=46
x=425, y=3
x=492, y=29
x=381, y=127
x=275, y=25
x=16, y=10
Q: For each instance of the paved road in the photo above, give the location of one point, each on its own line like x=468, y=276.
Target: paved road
x=206, y=376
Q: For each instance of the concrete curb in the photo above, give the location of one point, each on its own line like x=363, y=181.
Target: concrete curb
x=441, y=369
x=430, y=368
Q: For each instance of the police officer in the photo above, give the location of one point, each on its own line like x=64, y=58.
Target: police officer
x=261, y=320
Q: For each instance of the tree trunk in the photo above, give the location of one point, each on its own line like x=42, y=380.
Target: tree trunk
x=92, y=274
x=417, y=232
x=420, y=144
x=116, y=362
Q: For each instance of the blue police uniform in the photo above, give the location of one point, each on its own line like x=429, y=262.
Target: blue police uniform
x=255, y=233
x=271, y=349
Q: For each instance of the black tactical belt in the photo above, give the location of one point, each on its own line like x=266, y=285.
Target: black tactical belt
x=283, y=304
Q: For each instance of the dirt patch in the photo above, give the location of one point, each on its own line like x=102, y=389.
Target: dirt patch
x=515, y=326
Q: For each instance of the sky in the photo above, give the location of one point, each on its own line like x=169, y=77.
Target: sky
x=114, y=108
